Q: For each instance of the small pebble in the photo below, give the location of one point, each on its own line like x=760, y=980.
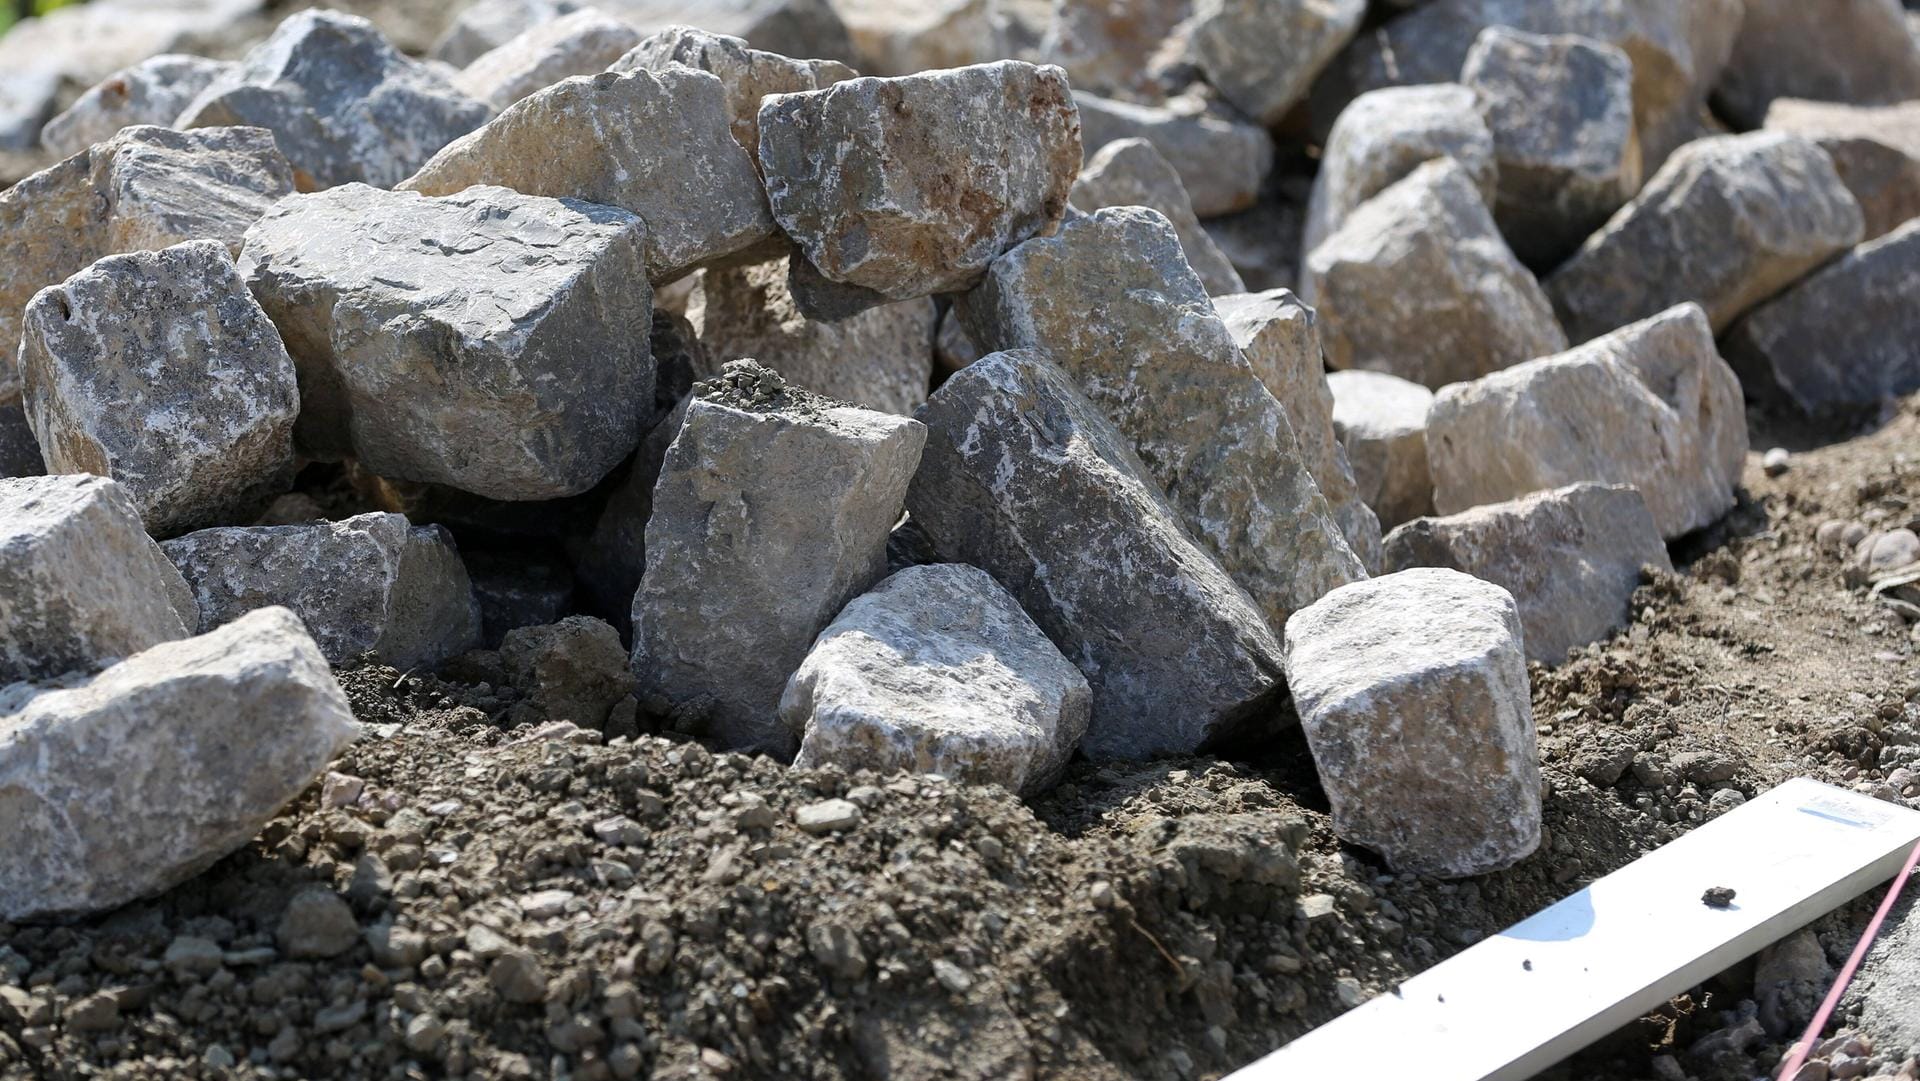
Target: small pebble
x=1776, y=461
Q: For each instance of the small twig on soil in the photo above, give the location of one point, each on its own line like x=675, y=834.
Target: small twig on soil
x=1156, y=945
x=403, y=679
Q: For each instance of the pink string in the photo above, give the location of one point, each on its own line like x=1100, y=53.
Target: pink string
x=1812, y=1036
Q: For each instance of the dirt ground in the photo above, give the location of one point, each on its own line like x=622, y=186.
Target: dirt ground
x=548, y=902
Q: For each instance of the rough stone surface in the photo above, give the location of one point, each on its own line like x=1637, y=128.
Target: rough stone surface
x=1418, y=283
x=491, y=341
x=150, y=92
x=656, y=143
x=1262, y=55
x=1381, y=420
x=343, y=104
x=1852, y=51
x=372, y=583
x=1876, y=151
x=1651, y=405
x=574, y=670
x=1280, y=338
x=881, y=358
x=1118, y=48
x=81, y=583
x=771, y=513
x=1388, y=133
x=1130, y=172
x=1412, y=690
x=159, y=369
x=789, y=27
x=581, y=43
x=748, y=74
x=1846, y=336
x=144, y=776
x=486, y=25
x=1026, y=479
x=19, y=450
x=1571, y=557
x=1566, y=153
x=911, y=186
x=1726, y=223
x=901, y=37
x=1222, y=160
x=938, y=670
x=1111, y=300
x=145, y=188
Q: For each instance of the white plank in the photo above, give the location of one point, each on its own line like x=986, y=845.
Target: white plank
x=1518, y=1002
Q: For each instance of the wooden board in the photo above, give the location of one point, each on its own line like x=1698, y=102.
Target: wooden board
x=1518, y=1002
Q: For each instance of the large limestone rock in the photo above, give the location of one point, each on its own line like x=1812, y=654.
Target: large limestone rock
x=1130, y=172
x=1853, y=51
x=490, y=341
x=1026, y=479
x=901, y=37
x=1222, y=160
x=1280, y=338
x=160, y=370
x=1382, y=422
x=656, y=143
x=1262, y=55
x=1412, y=690
x=19, y=450
x=938, y=670
x=144, y=189
x=1571, y=557
x=1111, y=300
x=1118, y=48
x=1418, y=283
x=748, y=74
x=142, y=777
x=1567, y=156
x=1727, y=222
x=581, y=43
x=911, y=186
x=789, y=27
x=1876, y=151
x=80, y=581
x=150, y=92
x=1651, y=405
x=881, y=358
x=343, y=104
x=371, y=584
x=1388, y=133
x=1845, y=337
x=771, y=513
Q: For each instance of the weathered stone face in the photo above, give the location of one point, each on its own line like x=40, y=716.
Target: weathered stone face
x=1726, y=223
x=1222, y=160
x=144, y=189
x=573, y=670
x=1651, y=405
x=1876, y=151
x=1382, y=422
x=1111, y=300
x=1853, y=51
x=1571, y=557
x=159, y=369
x=1117, y=48
x=145, y=775
x=654, y=143
x=343, y=104
x=150, y=92
x=1262, y=55
x=1846, y=337
x=581, y=43
x=1412, y=690
x=1025, y=478
x=938, y=670
x=787, y=27
x=771, y=513
x=81, y=584
x=911, y=186
x=1418, y=283
x=491, y=341
x=370, y=584
x=1130, y=172
x=1566, y=153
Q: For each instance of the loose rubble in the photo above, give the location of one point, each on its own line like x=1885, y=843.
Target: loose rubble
x=1222, y=160
x=152, y=92
x=583, y=42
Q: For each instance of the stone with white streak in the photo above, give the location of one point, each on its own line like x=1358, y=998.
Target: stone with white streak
x=1221, y=158
x=145, y=775
x=1262, y=55
x=1026, y=479
x=1381, y=420
x=938, y=670
x=1130, y=172
x=370, y=584
x=81, y=583
x=150, y=92
x=581, y=43
x=1651, y=405
x=160, y=370
x=1412, y=691
x=1571, y=557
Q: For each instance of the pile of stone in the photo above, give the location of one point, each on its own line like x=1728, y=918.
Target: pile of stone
x=1023, y=399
